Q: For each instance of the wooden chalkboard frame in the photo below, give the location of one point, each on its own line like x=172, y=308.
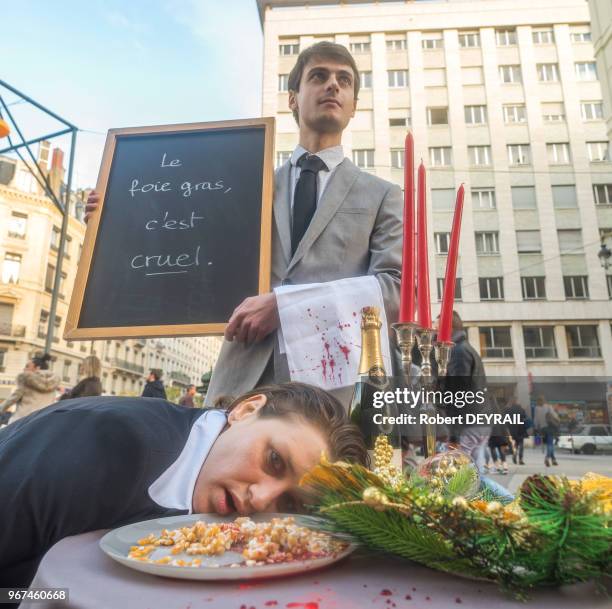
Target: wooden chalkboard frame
x=72, y=330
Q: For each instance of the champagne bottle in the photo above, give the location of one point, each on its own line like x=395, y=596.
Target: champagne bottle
x=372, y=378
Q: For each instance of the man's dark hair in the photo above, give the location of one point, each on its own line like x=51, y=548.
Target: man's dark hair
x=322, y=50
x=457, y=321
x=41, y=360
x=156, y=373
x=316, y=407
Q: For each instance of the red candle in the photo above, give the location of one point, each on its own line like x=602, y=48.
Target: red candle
x=423, y=302
x=407, y=304
x=448, y=297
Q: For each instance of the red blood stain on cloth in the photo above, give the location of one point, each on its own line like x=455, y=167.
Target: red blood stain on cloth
x=386, y=592
x=408, y=597
x=427, y=598
x=458, y=600
x=309, y=605
x=271, y=603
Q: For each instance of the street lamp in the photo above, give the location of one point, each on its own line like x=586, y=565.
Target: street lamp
x=604, y=256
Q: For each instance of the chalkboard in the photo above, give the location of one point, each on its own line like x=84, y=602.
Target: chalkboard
x=183, y=232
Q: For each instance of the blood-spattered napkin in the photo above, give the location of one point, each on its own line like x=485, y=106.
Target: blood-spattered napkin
x=321, y=329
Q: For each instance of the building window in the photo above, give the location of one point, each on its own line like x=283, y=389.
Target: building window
x=546, y=36
x=55, y=238
x=283, y=83
x=491, y=288
x=397, y=158
x=472, y=75
x=42, y=324
x=442, y=242
x=602, y=194
x=2, y=359
x=289, y=48
x=360, y=47
x=475, y=115
x=365, y=80
x=553, y=112
x=539, y=342
x=487, y=242
x=548, y=72
x=519, y=154
x=510, y=74
x=432, y=41
x=440, y=286
x=586, y=70
x=399, y=122
x=515, y=113
x=363, y=158
x=469, y=40
x=11, y=267
x=558, y=153
x=523, y=197
x=534, y=288
x=441, y=156
x=17, y=225
x=528, y=241
x=581, y=36
x=442, y=199
x=609, y=282
x=282, y=156
x=495, y=341
x=576, y=287
x=397, y=78
x=479, y=155
x=505, y=38
x=66, y=371
x=570, y=241
x=398, y=44
x=599, y=152
x=437, y=116
x=591, y=111
x=49, y=278
x=564, y=197
x=582, y=341
x=483, y=198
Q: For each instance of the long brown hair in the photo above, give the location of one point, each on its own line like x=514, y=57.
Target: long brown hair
x=316, y=407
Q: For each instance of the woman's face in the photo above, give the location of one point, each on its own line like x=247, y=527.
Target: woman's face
x=255, y=465
x=31, y=366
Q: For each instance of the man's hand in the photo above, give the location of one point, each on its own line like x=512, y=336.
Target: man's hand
x=93, y=201
x=253, y=319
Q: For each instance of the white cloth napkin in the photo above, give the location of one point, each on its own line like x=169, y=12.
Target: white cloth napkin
x=321, y=329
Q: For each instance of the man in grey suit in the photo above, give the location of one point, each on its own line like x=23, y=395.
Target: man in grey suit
x=331, y=221
x=352, y=227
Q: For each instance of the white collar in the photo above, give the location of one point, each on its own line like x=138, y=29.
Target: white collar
x=332, y=157
x=174, y=488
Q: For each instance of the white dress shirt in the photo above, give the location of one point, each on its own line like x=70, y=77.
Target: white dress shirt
x=332, y=157
x=174, y=488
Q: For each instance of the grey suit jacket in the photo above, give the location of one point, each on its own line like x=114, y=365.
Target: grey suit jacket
x=356, y=230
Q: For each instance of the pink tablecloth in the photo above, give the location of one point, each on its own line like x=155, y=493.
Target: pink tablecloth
x=360, y=582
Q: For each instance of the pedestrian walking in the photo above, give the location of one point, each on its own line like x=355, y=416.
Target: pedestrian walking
x=546, y=422
x=519, y=431
x=187, y=398
x=36, y=387
x=90, y=369
x=154, y=387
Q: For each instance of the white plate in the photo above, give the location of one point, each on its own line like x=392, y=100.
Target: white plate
x=116, y=544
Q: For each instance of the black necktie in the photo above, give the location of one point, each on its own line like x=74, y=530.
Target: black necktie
x=305, y=196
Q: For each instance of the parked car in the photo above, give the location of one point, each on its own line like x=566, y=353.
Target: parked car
x=588, y=439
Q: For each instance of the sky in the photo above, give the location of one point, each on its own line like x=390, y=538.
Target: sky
x=104, y=64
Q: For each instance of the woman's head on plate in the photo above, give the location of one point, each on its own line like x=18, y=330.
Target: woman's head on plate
x=274, y=435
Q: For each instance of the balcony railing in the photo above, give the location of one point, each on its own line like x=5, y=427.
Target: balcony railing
x=128, y=366
x=579, y=351
x=544, y=352
x=502, y=352
x=180, y=377
x=7, y=329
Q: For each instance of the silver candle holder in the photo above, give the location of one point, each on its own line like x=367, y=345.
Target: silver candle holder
x=406, y=333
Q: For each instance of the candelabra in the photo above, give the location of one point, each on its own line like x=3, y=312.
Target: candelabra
x=406, y=333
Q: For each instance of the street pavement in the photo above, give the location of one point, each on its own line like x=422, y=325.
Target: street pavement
x=570, y=465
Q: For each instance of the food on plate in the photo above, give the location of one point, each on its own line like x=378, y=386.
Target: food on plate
x=280, y=540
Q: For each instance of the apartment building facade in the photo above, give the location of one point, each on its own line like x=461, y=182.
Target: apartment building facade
x=503, y=96
x=29, y=240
